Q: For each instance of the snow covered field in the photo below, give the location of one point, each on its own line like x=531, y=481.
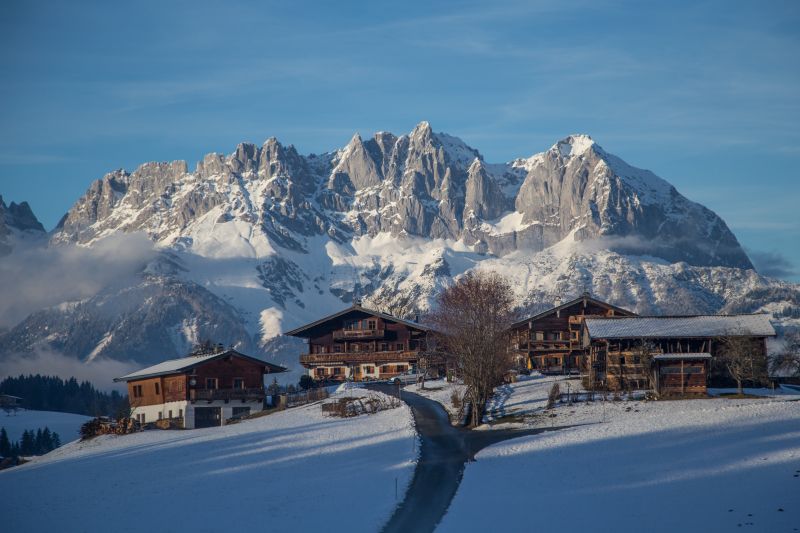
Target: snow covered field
x=294, y=470
x=67, y=425
x=691, y=465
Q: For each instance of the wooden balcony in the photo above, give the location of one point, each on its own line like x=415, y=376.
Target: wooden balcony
x=311, y=359
x=226, y=394
x=359, y=334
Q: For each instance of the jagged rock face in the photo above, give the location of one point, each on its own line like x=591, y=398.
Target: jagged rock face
x=577, y=187
x=17, y=222
x=265, y=239
x=422, y=184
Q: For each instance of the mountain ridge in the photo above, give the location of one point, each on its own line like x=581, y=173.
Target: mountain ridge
x=265, y=239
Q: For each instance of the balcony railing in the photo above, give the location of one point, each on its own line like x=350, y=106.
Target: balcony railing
x=358, y=333
x=357, y=357
x=227, y=394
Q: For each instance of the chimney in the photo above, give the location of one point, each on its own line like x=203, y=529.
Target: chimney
x=557, y=301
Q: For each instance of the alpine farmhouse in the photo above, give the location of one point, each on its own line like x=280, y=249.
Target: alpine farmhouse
x=361, y=344
x=550, y=341
x=200, y=390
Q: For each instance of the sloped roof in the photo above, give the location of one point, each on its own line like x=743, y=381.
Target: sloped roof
x=176, y=366
x=579, y=299
x=300, y=332
x=680, y=356
x=680, y=326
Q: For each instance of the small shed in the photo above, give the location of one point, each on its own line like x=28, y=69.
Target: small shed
x=680, y=374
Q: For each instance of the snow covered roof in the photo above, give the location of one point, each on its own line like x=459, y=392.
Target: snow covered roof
x=302, y=331
x=680, y=326
x=679, y=356
x=175, y=366
x=584, y=297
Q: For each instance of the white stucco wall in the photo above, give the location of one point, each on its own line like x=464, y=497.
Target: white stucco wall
x=151, y=412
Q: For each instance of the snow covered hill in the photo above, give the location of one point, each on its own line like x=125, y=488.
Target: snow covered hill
x=636, y=466
x=67, y=425
x=295, y=470
x=265, y=239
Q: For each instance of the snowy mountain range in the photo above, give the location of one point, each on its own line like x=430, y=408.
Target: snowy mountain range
x=264, y=239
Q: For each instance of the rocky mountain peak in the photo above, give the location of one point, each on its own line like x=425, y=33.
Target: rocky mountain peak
x=573, y=146
x=425, y=184
x=19, y=216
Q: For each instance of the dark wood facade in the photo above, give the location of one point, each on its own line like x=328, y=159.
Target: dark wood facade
x=677, y=363
x=361, y=344
x=551, y=342
x=229, y=376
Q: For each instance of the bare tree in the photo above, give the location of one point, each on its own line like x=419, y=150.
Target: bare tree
x=472, y=320
x=743, y=358
x=787, y=362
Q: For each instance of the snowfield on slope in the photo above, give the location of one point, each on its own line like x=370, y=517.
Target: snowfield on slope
x=690, y=465
x=294, y=470
x=67, y=425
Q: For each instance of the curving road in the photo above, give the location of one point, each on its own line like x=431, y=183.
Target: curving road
x=445, y=450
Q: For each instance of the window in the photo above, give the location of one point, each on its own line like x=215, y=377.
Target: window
x=401, y=368
x=384, y=347
x=622, y=359
x=137, y=391
x=320, y=372
x=337, y=370
x=337, y=348
x=169, y=413
x=160, y=415
x=180, y=413
x=211, y=383
x=158, y=389
x=354, y=347
x=540, y=335
x=238, y=383
x=637, y=360
x=369, y=370
x=399, y=347
x=372, y=324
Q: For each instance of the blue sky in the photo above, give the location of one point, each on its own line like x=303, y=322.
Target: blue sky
x=705, y=94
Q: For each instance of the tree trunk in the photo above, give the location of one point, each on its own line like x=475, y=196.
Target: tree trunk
x=739, y=388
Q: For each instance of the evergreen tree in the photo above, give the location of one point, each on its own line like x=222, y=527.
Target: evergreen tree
x=27, y=444
x=56, y=440
x=51, y=393
x=47, y=440
x=5, y=444
x=38, y=443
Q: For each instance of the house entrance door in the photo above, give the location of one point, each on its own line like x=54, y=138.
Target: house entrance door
x=206, y=417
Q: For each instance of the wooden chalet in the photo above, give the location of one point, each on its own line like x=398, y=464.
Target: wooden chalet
x=550, y=341
x=200, y=390
x=362, y=345
x=682, y=349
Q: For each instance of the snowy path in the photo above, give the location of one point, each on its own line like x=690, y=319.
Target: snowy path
x=445, y=450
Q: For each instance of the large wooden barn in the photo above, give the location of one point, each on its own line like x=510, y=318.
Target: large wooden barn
x=682, y=349
x=201, y=390
x=550, y=341
x=362, y=345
